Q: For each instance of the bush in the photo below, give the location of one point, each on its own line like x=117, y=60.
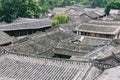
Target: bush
x=55, y=22
x=60, y=19
x=12, y=9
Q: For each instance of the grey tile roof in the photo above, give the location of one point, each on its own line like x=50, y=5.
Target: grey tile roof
x=16, y=67
x=60, y=41
x=110, y=74
x=75, y=47
x=102, y=29
x=76, y=8
x=98, y=22
x=106, y=50
x=58, y=10
x=113, y=59
x=5, y=38
x=1, y=51
x=42, y=43
x=75, y=13
x=93, y=9
x=110, y=49
x=85, y=47
x=92, y=14
x=94, y=41
x=23, y=24
x=70, y=26
x=114, y=12
x=100, y=13
x=85, y=18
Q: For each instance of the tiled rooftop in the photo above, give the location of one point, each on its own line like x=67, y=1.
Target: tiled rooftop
x=16, y=67
x=99, y=28
x=5, y=38
x=22, y=24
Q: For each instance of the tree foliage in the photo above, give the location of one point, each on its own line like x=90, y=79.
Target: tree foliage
x=112, y=5
x=85, y=2
x=94, y=3
x=12, y=9
x=98, y=3
x=50, y=4
x=60, y=19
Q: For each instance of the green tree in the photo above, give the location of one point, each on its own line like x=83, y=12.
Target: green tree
x=99, y=3
x=60, y=19
x=45, y=8
x=85, y=2
x=94, y=3
x=12, y=9
x=112, y=5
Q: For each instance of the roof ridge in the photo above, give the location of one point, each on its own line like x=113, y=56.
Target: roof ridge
x=46, y=58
